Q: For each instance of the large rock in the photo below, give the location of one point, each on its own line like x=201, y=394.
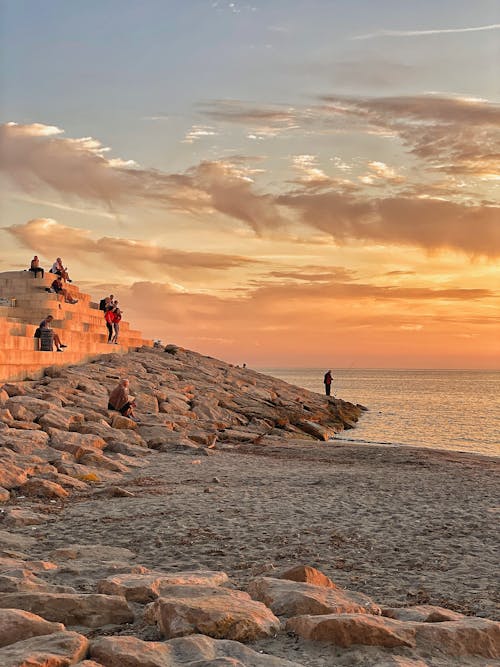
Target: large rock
x=36, y=406
x=90, y=610
x=56, y=650
x=317, y=430
x=348, y=629
x=148, y=587
x=11, y=476
x=293, y=598
x=4, y=495
x=61, y=419
x=43, y=488
x=72, y=442
x=17, y=625
x=194, y=651
x=216, y=612
x=307, y=575
x=425, y=613
x=465, y=637
x=22, y=516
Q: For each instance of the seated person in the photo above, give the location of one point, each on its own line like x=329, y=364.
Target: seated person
x=59, y=269
x=46, y=324
x=121, y=401
x=58, y=287
x=35, y=267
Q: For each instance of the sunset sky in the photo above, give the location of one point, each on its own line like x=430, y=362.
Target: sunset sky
x=277, y=182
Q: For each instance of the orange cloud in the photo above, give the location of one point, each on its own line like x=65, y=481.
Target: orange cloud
x=289, y=324
x=42, y=235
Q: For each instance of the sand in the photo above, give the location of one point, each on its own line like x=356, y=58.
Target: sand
x=402, y=525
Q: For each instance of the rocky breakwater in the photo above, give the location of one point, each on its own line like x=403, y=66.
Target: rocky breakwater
x=96, y=605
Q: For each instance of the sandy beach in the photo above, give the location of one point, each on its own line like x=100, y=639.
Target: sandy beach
x=404, y=526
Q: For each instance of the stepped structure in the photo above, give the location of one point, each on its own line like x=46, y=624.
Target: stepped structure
x=25, y=303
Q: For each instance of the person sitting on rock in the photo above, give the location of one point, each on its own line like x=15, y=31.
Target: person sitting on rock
x=58, y=287
x=35, y=267
x=59, y=269
x=121, y=401
x=46, y=325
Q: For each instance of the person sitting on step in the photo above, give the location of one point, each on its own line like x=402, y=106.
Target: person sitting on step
x=121, y=401
x=59, y=269
x=46, y=324
x=58, y=287
x=35, y=267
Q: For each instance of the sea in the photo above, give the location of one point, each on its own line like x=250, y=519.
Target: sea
x=455, y=410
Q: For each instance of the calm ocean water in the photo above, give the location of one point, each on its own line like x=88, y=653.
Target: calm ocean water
x=458, y=410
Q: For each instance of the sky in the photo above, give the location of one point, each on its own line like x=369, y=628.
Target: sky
x=285, y=183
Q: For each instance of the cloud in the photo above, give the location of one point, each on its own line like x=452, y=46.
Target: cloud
x=423, y=33
x=452, y=134
x=78, y=168
x=198, y=132
x=425, y=223
x=42, y=235
x=37, y=157
x=262, y=122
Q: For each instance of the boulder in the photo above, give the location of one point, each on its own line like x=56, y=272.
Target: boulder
x=308, y=575
x=293, y=598
x=87, y=473
x=425, y=613
x=20, y=516
x=11, y=476
x=120, y=422
x=90, y=610
x=17, y=625
x=216, y=612
x=465, y=637
x=36, y=406
x=71, y=442
x=4, y=494
x=23, y=581
x=21, y=412
x=348, y=629
x=59, y=649
x=147, y=587
x=60, y=418
x=43, y=488
x=194, y=651
x=318, y=431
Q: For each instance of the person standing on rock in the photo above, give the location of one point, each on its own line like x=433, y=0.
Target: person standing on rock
x=120, y=399
x=328, y=382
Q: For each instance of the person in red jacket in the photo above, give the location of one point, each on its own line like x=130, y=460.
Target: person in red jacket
x=117, y=316
x=110, y=318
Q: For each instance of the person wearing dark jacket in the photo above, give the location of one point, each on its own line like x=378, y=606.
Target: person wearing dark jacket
x=328, y=382
x=120, y=399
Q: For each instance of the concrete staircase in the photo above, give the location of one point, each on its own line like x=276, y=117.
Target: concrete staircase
x=80, y=326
